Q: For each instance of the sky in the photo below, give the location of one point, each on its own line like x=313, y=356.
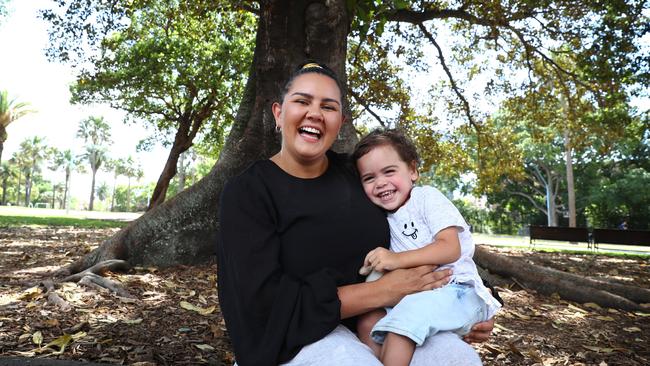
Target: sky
x=27, y=75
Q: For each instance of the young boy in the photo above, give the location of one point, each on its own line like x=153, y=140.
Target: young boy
x=425, y=228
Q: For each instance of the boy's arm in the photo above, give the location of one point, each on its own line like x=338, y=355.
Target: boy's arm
x=446, y=250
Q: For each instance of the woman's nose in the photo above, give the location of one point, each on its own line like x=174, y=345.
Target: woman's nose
x=315, y=113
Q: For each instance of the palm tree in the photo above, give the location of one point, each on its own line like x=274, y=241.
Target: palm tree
x=20, y=161
x=97, y=136
x=35, y=152
x=132, y=169
x=10, y=110
x=67, y=161
x=7, y=171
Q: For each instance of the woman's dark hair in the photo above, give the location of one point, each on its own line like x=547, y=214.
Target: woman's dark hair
x=307, y=67
x=391, y=137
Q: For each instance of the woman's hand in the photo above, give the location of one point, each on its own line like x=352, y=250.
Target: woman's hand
x=402, y=282
x=480, y=332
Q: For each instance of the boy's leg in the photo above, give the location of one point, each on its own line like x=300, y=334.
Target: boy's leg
x=397, y=350
x=364, y=326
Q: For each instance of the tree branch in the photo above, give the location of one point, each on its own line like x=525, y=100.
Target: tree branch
x=454, y=86
x=365, y=106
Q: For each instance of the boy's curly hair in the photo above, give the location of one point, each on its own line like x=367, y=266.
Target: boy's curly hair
x=393, y=137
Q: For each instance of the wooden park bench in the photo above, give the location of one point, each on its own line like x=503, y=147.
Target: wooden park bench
x=617, y=236
x=570, y=234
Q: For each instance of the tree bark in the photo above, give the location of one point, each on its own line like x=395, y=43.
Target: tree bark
x=183, y=230
x=571, y=192
x=569, y=286
x=92, y=191
x=182, y=142
x=4, y=190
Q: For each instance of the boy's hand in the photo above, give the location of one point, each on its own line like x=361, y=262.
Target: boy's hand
x=381, y=259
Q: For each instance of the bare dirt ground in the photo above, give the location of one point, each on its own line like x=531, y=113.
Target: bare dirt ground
x=175, y=318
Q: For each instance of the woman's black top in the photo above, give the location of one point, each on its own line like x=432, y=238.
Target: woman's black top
x=285, y=246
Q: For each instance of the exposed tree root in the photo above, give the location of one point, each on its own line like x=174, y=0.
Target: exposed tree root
x=101, y=268
x=569, y=286
x=91, y=279
x=54, y=298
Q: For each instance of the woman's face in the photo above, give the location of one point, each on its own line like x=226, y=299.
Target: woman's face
x=310, y=117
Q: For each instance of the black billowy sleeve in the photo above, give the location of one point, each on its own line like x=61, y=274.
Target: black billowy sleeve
x=269, y=314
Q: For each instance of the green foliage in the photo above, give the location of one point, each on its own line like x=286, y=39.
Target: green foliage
x=133, y=198
x=175, y=63
x=3, y=10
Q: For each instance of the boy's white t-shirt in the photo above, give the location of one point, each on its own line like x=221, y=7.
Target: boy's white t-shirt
x=415, y=225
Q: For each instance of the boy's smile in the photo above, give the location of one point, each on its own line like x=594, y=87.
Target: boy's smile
x=386, y=179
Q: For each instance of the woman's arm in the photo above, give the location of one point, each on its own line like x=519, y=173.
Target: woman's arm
x=444, y=249
x=389, y=289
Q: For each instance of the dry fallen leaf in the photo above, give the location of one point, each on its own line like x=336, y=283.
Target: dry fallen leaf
x=605, y=318
x=599, y=349
x=204, y=347
x=61, y=342
x=632, y=329
x=37, y=338
x=30, y=294
x=132, y=321
x=203, y=311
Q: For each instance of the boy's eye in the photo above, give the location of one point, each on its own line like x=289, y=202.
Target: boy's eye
x=367, y=179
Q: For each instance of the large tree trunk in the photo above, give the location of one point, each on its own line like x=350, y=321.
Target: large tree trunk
x=571, y=192
x=92, y=191
x=65, y=189
x=28, y=188
x=184, y=228
x=4, y=190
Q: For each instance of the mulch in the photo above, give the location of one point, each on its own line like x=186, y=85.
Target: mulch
x=174, y=317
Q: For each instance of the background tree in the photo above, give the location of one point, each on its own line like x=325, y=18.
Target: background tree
x=34, y=151
x=117, y=167
x=3, y=10
x=516, y=34
x=185, y=169
x=10, y=110
x=66, y=160
x=7, y=172
x=177, y=67
x=97, y=136
x=131, y=169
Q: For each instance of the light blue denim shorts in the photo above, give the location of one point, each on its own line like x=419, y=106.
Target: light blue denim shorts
x=455, y=307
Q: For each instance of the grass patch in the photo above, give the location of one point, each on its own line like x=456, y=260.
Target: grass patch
x=598, y=252
x=9, y=221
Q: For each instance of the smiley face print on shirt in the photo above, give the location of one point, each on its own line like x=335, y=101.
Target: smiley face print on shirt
x=410, y=230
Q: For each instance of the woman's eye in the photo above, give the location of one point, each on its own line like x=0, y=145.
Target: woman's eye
x=329, y=108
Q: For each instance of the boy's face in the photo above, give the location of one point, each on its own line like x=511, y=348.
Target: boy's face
x=386, y=179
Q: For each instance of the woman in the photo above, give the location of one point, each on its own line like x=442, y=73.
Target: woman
x=294, y=231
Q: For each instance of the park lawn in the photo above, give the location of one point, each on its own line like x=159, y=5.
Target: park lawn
x=13, y=221
x=14, y=216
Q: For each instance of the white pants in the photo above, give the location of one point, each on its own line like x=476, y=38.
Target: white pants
x=342, y=348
